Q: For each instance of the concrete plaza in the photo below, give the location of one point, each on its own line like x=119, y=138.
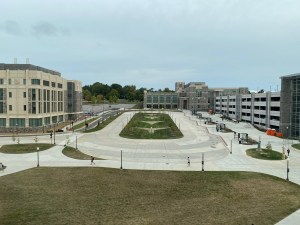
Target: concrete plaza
x=199, y=140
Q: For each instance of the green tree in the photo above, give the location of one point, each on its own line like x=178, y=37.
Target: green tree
x=87, y=95
x=113, y=95
x=100, y=98
x=94, y=100
x=140, y=94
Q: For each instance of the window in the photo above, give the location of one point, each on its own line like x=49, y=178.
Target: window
x=10, y=107
x=53, y=84
x=36, y=81
x=24, y=81
x=10, y=94
x=24, y=107
x=1, y=81
x=46, y=83
x=59, y=85
x=9, y=81
x=20, y=122
x=24, y=94
x=2, y=122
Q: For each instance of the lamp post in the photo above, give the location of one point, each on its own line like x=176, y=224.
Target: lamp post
x=202, y=161
x=38, y=156
x=121, y=160
x=76, y=142
x=287, y=168
x=54, y=134
x=287, y=128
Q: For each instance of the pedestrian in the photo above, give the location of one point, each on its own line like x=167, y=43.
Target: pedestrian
x=92, y=160
x=189, y=161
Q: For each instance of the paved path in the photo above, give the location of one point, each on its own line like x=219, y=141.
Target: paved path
x=198, y=139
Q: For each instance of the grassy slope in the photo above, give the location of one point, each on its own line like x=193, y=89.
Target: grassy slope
x=108, y=196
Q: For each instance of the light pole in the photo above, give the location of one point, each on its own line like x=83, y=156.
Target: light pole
x=202, y=161
x=54, y=134
x=287, y=168
x=38, y=156
x=121, y=160
x=76, y=142
x=287, y=128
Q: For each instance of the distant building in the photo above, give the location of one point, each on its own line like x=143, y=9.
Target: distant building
x=261, y=109
x=194, y=96
x=160, y=100
x=35, y=97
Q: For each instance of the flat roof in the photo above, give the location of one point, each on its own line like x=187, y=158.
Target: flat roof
x=4, y=66
x=290, y=75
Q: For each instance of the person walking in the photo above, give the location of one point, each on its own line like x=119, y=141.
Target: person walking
x=188, y=161
x=92, y=160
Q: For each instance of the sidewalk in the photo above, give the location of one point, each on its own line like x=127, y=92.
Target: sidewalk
x=199, y=140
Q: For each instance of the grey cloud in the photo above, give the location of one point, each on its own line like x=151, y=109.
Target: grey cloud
x=12, y=27
x=49, y=30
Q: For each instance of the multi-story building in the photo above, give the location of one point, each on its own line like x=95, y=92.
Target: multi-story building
x=213, y=93
x=194, y=96
x=160, y=100
x=35, y=97
x=261, y=109
x=290, y=105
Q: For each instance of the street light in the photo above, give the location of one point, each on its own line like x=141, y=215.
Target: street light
x=287, y=168
x=54, y=134
x=38, y=156
x=287, y=128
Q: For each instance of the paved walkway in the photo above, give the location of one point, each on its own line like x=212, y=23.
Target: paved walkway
x=200, y=140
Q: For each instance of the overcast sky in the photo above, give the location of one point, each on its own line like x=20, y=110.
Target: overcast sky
x=154, y=43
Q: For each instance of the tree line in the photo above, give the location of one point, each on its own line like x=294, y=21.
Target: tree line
x=98, y=92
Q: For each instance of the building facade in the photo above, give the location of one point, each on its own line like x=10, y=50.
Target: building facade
x=290, y=105
x=32, y=96
x=261, y=109
x=194, y=96
x=160, y=100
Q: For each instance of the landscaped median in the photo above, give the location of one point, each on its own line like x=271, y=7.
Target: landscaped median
x=24, y=148
x=265, y=154
x=76, y=154
x=110, y=196
x=151, y=126
x=103, y=124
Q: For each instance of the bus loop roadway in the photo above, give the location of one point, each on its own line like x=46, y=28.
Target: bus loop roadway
x=107, y=144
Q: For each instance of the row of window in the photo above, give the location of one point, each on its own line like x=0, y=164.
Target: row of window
x=35, y=82
x=36, y=122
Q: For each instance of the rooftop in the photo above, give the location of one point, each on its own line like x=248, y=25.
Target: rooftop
x=4, y=66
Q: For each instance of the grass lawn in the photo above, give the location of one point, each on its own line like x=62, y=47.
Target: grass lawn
x=139, y=120
x=24, y=148
x=296, y=146
x=75, y=154
x=113, y=197
x=103, y=124
x=264, y=154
